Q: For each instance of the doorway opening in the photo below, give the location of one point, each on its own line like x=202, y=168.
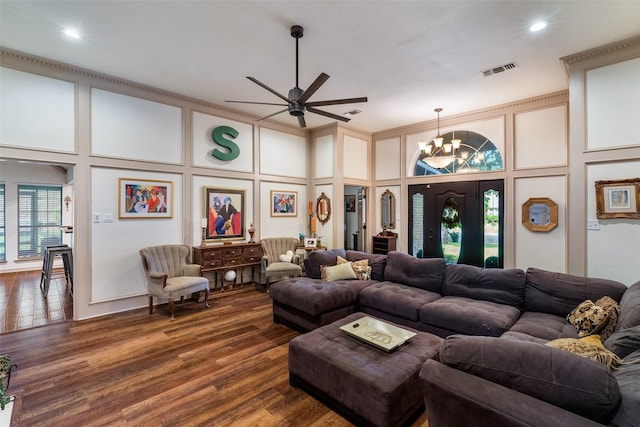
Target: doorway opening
x=355, y=215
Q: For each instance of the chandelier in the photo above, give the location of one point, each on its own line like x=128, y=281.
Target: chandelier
x=440, y=154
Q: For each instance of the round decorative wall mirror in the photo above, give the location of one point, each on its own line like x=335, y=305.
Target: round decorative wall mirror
x=388, y=210
x=540, y=214
x=323, y=208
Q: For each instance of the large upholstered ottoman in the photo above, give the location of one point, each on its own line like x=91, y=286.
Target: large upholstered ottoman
x=367, y=385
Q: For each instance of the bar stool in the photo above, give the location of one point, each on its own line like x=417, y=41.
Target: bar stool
x=50, y=254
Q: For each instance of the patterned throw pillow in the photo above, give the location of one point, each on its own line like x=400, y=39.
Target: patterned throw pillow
x=612, y=308
x=363, y=272
x=587, y=318
x=590, y=347
x=362, y=262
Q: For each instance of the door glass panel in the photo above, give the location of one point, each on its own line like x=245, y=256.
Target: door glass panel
x=451, y=231
x=491, y=229
x=418, y=225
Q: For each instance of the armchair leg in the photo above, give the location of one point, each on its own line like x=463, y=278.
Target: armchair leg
x=172, y=306
x=206, y=297
x=267, y=279
x=150, y=305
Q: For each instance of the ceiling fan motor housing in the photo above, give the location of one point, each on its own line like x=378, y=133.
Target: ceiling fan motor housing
x=296, y=108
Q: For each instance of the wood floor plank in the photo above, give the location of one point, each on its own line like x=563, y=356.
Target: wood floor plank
x=222, y=366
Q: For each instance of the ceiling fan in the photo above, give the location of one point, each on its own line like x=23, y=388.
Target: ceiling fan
x=296, y=102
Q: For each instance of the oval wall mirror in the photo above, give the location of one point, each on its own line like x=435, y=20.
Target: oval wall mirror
x=388, y=210
x=540, y=214
x=323, y=208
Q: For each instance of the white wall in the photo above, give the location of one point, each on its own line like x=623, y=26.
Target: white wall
x=133, y=128
x=387, y=159
x=282, y=154
x=356, y=159
x=37, y=112
x=613, y=250
x=546, y=250
x=323, y=155
x=541, y=138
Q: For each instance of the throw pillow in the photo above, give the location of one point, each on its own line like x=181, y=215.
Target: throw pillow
x=363, y=272
x=587, y=318
x=362, y=262
x=287, y=257
x=590, y=347
x=611, y=307
x=338, y=272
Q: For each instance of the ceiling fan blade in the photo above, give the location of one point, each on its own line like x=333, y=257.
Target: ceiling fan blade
x=260, y=103
x=319, y=81
x=337, y=101
x=301, y=122
x=327, y=114
x=270, y=115
x=264, y=86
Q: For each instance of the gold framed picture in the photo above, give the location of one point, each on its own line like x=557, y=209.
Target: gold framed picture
x=618, y=198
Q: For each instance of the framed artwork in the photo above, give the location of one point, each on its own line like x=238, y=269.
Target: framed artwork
x=350, y=202
x=224, y=213
x=284, y=203
x=618, y=199
x=144, y=199
x=540, y=214
x=310, y=242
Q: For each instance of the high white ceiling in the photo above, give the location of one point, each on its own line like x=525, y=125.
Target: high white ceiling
x=407, y=57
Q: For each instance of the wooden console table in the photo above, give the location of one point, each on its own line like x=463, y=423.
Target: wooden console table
x=223, y=258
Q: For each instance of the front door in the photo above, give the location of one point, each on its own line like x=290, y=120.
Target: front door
x=460, y=221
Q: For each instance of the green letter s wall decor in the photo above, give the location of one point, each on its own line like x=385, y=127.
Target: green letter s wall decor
x=218, y=137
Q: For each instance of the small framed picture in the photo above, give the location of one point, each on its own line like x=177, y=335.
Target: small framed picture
x=284, y=203
x=618, y=199
x=310, y=242
x=144, y=199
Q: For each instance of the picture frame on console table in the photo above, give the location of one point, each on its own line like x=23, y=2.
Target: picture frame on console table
x=144, y=199
x=224, y=213
x=284, y=203
x=618, y=199
x=310, y=242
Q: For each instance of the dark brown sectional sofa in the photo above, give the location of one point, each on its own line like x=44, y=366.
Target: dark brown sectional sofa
x=493, y=368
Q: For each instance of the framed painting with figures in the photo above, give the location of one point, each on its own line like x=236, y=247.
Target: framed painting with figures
x=224, y=213
x=144, y=199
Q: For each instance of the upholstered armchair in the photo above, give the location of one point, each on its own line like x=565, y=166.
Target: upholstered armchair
x=170, y=274
x=275, y=266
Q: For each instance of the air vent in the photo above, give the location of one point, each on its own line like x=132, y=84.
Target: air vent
x=352, y=113
x=499, y=69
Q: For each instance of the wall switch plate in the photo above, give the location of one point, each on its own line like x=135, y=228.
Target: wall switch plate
x=593, y=224
x=96, y=217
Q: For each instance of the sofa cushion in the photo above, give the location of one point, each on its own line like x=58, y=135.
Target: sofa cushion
x=315, y=259
x=590, y=347
x=563, y=379
x=629, y=315
x=502, y=286
x=468, y=316
x=624, y=342
x=543, y=326
x=315, y=297
x=559, y=293
x=377, y=262
x=627, y=376
x=424, y=273
x=396, y=299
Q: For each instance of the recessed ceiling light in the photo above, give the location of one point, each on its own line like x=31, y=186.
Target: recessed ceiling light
x=72, y=32
x=352, y=113
x=537, y=26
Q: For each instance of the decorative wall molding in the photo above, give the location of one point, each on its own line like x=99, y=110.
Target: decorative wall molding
x=631, y=43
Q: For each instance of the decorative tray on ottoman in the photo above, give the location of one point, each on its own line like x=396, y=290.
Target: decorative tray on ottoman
x=378, y=333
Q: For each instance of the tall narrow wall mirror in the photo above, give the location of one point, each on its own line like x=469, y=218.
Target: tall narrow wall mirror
x=540, y=214
x=323, y=208
x=388, y=210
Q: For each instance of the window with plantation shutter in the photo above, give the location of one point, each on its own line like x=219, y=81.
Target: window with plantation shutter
x=39, y=218
x=3, y=245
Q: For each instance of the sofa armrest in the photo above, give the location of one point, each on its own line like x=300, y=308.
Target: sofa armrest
x=453, y=397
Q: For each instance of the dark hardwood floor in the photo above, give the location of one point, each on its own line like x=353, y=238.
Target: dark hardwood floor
x=22, y=305
x=224, y=366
